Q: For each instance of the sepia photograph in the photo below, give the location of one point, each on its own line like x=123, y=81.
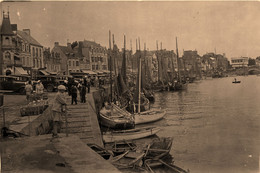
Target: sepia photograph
x=129, y=86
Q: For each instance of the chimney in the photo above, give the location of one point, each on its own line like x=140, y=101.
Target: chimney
x=27, y=31
x=56, y=43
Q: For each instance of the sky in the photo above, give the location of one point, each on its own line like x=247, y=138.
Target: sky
x=231, y=27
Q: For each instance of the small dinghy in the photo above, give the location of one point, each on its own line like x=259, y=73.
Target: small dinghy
x=121, y=147
x=126, y=135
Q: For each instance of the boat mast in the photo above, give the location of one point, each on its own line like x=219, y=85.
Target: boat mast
x=131, y=56
x=110, y=64
x=115, y=56
x=139, y=78
x=123, y=68
x=178, y=61
x=159, y=65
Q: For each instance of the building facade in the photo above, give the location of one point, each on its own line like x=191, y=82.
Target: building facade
x=62, y=53
x=239, y=62
x=52, y=62
x=21, y=53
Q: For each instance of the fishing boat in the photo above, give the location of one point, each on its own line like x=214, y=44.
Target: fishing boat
x=112, y=116
x=144, y=105
x=121, y=147
x=149, y=116
x=180, y=84
x=126, y=135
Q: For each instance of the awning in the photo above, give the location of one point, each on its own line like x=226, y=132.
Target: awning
x=44, y=72
x=106, y=71
x=89, y=72
x=99, y=72
x=20, y=70
x=52, y=72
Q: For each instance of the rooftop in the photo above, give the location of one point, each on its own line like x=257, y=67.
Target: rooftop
x=28, y=38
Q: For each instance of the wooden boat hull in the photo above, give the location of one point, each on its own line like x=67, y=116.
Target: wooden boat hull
x=122, y=147
x=181, y=87
x=149, y=116
x=125, y=135
x=236, y=82
x=159, y=148
x=116, y=119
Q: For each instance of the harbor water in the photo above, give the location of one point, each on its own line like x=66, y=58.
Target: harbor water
x=215, y=125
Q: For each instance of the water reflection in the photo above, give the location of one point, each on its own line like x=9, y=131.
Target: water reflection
x=215, y=125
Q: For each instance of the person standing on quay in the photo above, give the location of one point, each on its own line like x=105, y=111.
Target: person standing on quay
x=58, y=108
x=83, y=94
x=39, y=90
x=28, y=90
x=96, y=82
x=74, y=94
x=88, y=84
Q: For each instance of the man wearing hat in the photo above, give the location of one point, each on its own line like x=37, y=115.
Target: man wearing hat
x=59, y=107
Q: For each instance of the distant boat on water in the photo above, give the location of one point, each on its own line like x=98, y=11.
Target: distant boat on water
x=236, y=81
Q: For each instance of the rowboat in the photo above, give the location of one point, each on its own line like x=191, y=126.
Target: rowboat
x=159, y=148
x=129, y=159
x=236, y=81
x=101, y=151
x=149, y=116
x=116, y=118
x=121, y=147
x=126, y=135
x=162, y=166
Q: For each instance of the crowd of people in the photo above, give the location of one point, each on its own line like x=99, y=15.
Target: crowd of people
x=36, y=91
x=72, y=86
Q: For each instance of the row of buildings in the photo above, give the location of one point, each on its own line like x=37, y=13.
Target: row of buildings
x=22, y=54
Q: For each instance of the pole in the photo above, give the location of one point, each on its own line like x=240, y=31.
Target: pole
x=132, y=57
x=110, y=58
x=3, y=116
x=66, y=121
x=139, y=93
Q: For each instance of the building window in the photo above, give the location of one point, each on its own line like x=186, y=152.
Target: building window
x=96, y=59
x=33, y=52
x=87, y=60
x=7, y=55
x=73, y=63
x=23, y=47
x=92, y=59
x=96, y=67
x=77, y=63
x=36, y=52
x=93, y=67
x=69, y=63
x=28, y=62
